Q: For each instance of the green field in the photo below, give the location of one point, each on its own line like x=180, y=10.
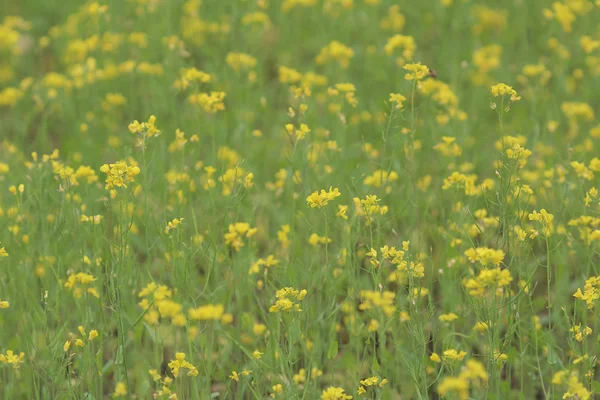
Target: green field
x=299, y=199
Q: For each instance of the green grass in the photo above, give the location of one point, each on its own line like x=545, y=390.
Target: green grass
x=447, y=284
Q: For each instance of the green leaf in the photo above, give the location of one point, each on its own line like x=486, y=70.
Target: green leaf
x=119, y=356
x=552, y=357
x=375, y=364
x=332, y=352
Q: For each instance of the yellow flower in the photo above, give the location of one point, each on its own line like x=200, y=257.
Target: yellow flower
x=502, y=89
x=448, y=317
x=120, y=390
x=147, y=129
x=173, y=225
x=12, y=359
x=285, y=300
x=342, y=211
x=397, y=99
x=453, y=355
x=93, y=335
x=435, y=358
x=257, y=354
x=207, y=313
x=321, y=199
x=119, y=174
x=179, y=363
x=335, y=393
x=416, y=71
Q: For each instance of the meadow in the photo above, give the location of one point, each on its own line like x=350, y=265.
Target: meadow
x=299, y=199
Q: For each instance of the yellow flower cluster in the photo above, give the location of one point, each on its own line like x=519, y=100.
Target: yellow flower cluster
x=286, y=298
x=373, y=381
x=321, y=199
x=80, y=342
x=80, y=281
x=335, y=393
x=405, y=43
x=12, y=359
x=485, y=256
x=156, y=301
x=119, y=174
x=472, y=376
x=502, y=89
x=371, y=299
x=591, y=291
x=335, y=51
x=495, y=278
x=173, y=225
x=416, y=72
x=237, y=232
x=147, y=129
x=210, y=102
x=179, y=363
x=576, y=389
x=208, y=312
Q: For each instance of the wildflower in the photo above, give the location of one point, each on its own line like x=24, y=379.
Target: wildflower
x=119, y=174
x=502, y=89
x=335, y=51
x=299, y=133
x=591, y=292
x=376, y=299
x=500, y=357
x=78, y=282
x=207, y=313
x=179, y=363
x=576, y=389
x=335, y=393
x=239, y=61
x=448, y=317
x=120, y=390
x=278, y=388
x=473, y=375
x=173, y=225
x=256, y=354
x=485, y=255
x=285, y=300
x=94, y=219
x=3, y=252
x=435, y=358
x=544, y=217
x=13, y=359
x=342, y=211
x=481, y=327
x=416, y=71
x=369, y=382
x=259, y=329
x=147, y=129
x=93, y=335
x=210, y=102
x=405, y=43
x=320, y=200
x=487, y=278
x=453, y=355
x=380, y=178
x=237, y=232
x=398, y=100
